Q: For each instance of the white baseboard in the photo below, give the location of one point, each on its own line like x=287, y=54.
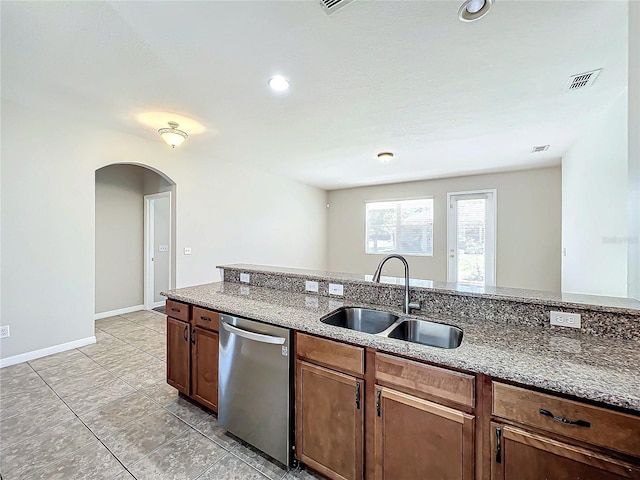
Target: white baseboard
x=120, y=311
x=25, y=357
x=161, y=303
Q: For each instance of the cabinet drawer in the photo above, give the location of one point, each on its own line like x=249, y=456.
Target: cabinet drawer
x=206, y=318
x=342, y=357
x=178, y=310
x=598, y=426
x=439, y=382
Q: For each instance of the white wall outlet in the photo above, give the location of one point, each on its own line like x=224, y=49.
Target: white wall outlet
x=310, y=286
x=4, y=331
x=187, y=250
x=564, y=319
x=336, y=289
x=245, y=278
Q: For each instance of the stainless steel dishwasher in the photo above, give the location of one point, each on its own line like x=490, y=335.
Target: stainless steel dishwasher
x=254, y=394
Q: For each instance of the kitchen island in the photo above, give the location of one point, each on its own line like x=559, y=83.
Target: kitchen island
x=503, y=364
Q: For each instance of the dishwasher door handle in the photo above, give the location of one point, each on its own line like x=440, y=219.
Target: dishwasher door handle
x=257, y=337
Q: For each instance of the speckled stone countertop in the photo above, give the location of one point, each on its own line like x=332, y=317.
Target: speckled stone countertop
x=556, y=299
x=593, y=368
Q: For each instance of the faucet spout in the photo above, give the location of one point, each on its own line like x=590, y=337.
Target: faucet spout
x=407, y=305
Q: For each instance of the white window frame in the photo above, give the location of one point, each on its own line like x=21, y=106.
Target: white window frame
x=491, y=234
x=403, y=199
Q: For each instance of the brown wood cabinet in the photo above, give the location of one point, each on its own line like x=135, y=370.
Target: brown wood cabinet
x=330, y=419
x=192, y=352
x=416, y=438
x=522, y=455
x=178, y=355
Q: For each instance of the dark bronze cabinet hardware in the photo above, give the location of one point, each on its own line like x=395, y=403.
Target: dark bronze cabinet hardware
x=378, y=393
x=498, y=445
x=184, y=334
x=577, y=423
x=358, y=395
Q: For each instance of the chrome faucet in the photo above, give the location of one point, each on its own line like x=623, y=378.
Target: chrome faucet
x=407, y=304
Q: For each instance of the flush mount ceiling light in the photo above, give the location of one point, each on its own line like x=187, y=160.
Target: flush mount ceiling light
x=279, y=83
x=385, y=157
x=474, y=9
x=172, y=135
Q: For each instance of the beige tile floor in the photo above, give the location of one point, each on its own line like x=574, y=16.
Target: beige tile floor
x=104, y=411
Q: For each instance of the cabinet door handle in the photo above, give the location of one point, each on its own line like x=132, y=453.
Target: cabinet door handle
x=358, y=395
x=378, y=393
x=193, y=336
x=566, y=421
x=184, y=334
x=498, y=445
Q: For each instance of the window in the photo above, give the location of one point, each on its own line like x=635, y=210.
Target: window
x=400, y=226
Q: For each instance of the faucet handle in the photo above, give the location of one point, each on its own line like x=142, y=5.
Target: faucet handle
x=414, y=306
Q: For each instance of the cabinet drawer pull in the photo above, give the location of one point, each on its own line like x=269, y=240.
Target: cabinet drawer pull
x=578, y=423
x=498, y=445
x=177, y=310
x=206, y=319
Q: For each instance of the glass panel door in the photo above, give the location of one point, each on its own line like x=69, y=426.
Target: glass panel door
x=471, y=238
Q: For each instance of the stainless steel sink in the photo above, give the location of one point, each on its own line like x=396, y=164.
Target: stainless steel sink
x=428, y=333
x=361, y=319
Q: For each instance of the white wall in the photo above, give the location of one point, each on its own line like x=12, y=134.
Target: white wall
x=594, y=207
x=633, y=262
x=528, y=224
x=119, y=237
x=225, y=213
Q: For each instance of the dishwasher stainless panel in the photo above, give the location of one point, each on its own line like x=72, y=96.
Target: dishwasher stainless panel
x=254, y=394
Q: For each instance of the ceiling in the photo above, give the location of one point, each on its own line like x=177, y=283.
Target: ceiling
x=448, y=98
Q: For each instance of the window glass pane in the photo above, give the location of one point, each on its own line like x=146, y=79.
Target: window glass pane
x=470, y=240
x=400, y=226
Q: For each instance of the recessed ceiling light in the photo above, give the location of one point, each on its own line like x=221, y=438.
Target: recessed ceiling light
x=279, y=83
x=474, y=9
x=385, y=157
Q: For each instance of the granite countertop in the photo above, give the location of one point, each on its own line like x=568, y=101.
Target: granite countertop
x=567, y=300
x=593, y=368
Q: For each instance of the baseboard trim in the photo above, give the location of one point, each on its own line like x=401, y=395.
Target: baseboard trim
x=120, y=311
x=25, y=357
x=159, y=304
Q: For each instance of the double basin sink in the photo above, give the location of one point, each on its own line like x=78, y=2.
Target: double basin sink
x=392, y=326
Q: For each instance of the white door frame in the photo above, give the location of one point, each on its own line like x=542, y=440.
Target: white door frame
x=149, y=288
x=491, y=232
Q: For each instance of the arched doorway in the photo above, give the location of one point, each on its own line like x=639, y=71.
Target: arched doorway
x=135, y=238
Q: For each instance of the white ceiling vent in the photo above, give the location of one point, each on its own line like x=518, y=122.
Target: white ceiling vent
x=331, y=6
x=582, y=80
x=540, y=148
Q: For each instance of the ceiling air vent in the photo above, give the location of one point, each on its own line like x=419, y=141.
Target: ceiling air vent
x=331, y=6
x=581, y=80
x=540, y=148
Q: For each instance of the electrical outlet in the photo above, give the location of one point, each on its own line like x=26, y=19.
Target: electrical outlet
x=310, y=286
x=187, y=250
x=336, y=289
x=564, y=319
x=4, y=331
x=245, y=277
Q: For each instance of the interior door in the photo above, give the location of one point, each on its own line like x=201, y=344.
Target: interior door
x=471, y=237
x=158, y=249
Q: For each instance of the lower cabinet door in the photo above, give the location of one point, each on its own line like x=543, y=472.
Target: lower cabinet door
x=178, y=354
x=521, y=455
x=329, y=422
x=204, y=370
x=418, y=439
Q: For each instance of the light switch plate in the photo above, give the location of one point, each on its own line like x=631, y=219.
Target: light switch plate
x=311, y=286
x=163, y=248
x=564, y=319
x=187, y=250
x=336, y=289
x=245, y=278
